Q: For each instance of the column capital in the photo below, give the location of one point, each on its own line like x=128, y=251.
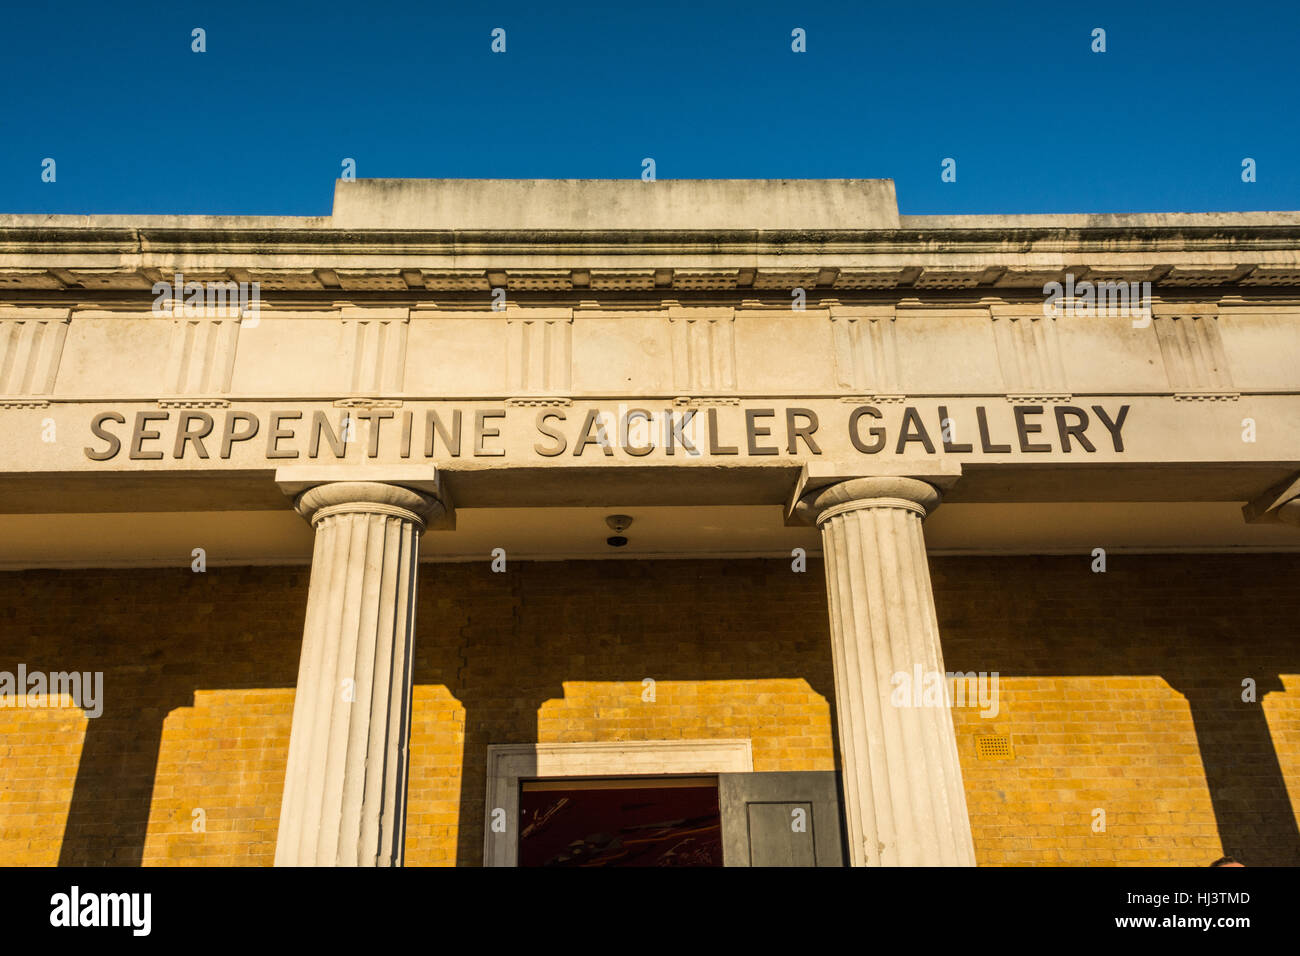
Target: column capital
x=412, y=492
x=917, y=486
x=910, y=494
x=366, y=497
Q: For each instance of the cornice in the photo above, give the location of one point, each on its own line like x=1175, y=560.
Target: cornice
x=297, y=241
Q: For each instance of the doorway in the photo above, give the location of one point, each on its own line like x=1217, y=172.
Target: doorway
x=620, y=822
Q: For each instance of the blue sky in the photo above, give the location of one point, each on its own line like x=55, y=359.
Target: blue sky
x=260, y=123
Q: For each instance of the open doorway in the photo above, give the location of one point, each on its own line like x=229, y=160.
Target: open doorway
x=629, y=821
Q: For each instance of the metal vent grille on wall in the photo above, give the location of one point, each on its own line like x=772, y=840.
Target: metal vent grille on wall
x=993, y=747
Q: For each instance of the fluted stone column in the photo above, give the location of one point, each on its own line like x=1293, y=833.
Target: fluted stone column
x=903, y=794
x=344, y=798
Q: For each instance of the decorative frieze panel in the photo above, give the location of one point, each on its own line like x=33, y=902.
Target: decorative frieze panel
x=953, y=277
x=31, y=345
x=11, y=278
x=539, y=352
x=1192, y=349
x=786, y=278
x=1027, y=278
x=1207, y=275
x=1029, y=354
x=104, y=279
x=703, y=349
x=375, y=342
x=201, y=356
x=462, y=281
x=176, y=291
x=871, y=277
x=1096, y=274
x=705, y=279
x=864, y=344
x=1272, y=275
x=628, y=279
x=550, y=280
x=371, y=280
x=285, y=280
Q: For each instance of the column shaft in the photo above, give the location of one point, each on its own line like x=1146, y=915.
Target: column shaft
x=344, y=798
x=904, y=799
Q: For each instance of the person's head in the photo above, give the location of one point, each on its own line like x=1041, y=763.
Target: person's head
x=1227, y=861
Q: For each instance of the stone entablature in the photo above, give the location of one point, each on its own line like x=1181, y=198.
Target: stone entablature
x=523, y=291
x=527, y=319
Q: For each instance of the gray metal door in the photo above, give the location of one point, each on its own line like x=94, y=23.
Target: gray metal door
x=781, y=819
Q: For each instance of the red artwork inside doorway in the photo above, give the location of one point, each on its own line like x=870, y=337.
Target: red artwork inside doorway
x=620, y=823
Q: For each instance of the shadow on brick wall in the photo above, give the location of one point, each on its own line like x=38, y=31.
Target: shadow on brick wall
x=1202, y=633
x=158, y=636
x=616, y=623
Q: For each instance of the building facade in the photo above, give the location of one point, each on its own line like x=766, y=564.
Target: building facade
x=599, y=523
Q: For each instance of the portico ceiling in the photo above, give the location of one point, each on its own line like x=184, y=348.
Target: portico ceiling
x=167, y=539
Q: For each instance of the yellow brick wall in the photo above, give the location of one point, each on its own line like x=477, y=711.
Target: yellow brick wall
x=199, y=672
x=1119, y=692
x=1122, y=692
